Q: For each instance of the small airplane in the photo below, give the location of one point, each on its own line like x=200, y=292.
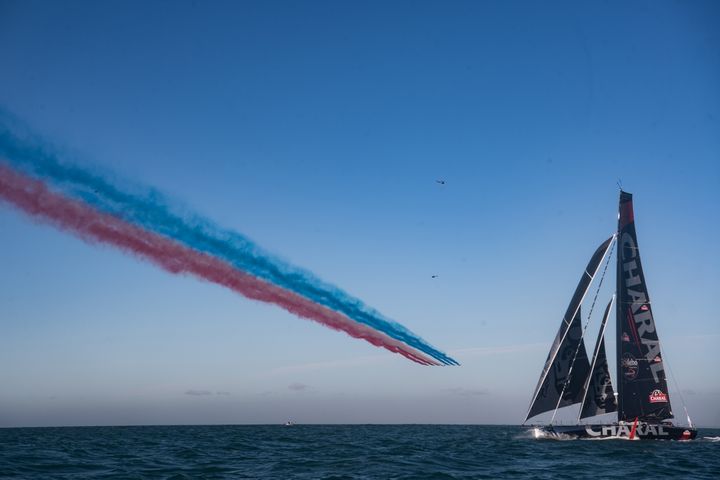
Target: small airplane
x=435, y=276
x=441, y=182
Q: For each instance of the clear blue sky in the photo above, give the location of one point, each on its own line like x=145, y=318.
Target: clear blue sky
x=318, y=129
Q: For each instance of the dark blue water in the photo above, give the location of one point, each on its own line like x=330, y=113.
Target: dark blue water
x=341, y=452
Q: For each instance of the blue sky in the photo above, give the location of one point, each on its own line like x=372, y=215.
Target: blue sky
x=318, y=129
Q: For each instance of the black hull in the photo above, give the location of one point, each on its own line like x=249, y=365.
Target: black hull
x=644, y=431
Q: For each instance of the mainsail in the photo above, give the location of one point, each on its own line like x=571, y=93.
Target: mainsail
x=599, y=397
x=642, y=388
x=554, y=378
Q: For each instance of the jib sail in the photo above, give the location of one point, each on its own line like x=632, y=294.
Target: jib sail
x=599, y=397
x=642, y=388
x=568, y=341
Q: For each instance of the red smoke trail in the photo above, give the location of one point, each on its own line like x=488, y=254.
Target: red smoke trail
x=34, y=198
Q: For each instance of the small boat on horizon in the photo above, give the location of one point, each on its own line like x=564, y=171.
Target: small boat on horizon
x=569, y=377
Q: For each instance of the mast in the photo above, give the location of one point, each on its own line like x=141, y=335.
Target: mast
x=641, y=383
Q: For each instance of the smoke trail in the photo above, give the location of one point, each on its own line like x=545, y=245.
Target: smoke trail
x=35, y=199
x=150, y=210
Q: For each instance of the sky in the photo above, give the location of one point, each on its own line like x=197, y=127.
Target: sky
x=319, y=129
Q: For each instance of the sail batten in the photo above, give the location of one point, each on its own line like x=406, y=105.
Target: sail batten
x=568, y=341
x=642, y=387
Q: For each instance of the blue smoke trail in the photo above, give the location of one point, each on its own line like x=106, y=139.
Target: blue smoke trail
x=150, y=209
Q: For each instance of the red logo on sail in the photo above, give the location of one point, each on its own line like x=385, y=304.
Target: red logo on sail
x=626, y=337
x=644, y=308
x=657, y=396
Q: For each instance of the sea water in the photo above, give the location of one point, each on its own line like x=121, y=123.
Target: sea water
x=342, y=452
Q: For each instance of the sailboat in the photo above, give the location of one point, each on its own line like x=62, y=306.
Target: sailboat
x=570, y=377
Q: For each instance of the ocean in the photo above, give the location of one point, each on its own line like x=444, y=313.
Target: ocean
x=342, y=452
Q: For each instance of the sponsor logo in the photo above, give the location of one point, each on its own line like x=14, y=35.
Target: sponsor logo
x=625, y=337
x=657, y=396
x=641, y=315
x=657, y=359
x=643, y=430
x=630, y=366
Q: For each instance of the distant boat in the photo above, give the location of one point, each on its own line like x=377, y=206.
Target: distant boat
x=289, y=423
x=568, y=378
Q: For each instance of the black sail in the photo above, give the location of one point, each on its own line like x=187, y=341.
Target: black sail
x=554, y=375
x=557, y=381
x=642, y=388
x=599, y=397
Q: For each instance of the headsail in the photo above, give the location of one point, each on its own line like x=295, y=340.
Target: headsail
x=598, y=397
x=554, y=374
x=642, y=388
